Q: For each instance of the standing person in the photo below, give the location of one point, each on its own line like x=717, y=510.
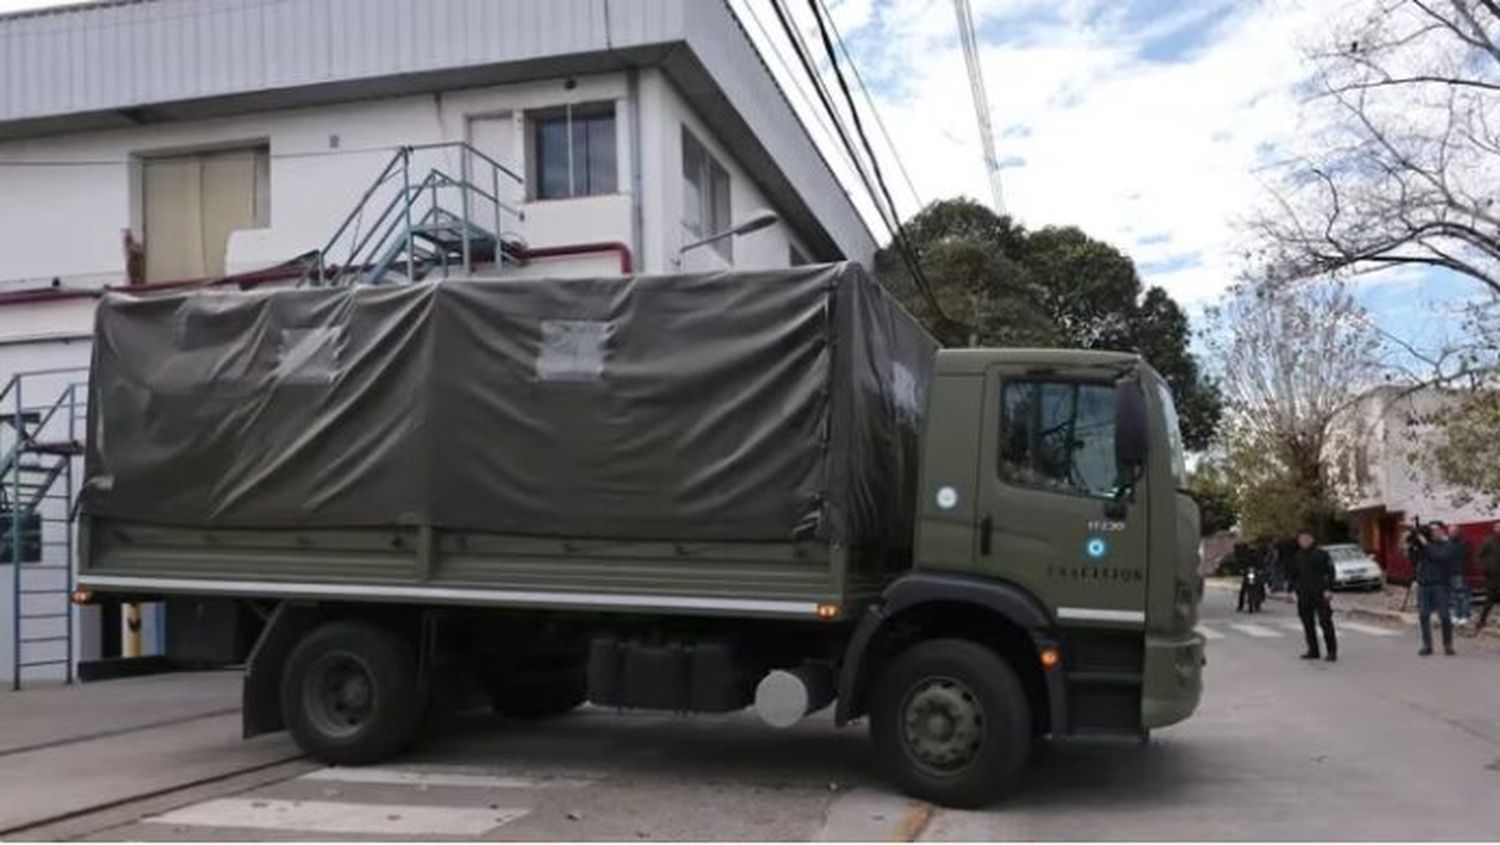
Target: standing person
x=1459, y=580
x=1270, y=562
x=1437, y=557
x=1313, y=572
x=1489, y=561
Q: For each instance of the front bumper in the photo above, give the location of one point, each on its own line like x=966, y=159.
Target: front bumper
x=1173, y=680
x=1358, y=582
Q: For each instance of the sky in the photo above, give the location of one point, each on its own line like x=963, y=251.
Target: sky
x=1151, y=124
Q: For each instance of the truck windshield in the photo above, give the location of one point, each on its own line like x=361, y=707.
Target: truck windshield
x=1174, y=434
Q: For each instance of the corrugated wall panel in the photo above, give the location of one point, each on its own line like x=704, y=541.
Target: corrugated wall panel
x=159, y=51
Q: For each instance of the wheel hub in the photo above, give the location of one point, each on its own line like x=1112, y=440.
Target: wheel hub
x=943, y=724
x=340, y=694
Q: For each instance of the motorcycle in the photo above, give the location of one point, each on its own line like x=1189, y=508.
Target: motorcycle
x=1253, y=589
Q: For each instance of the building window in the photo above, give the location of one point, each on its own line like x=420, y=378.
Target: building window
x=573, y=151
x=190, y=204
x=705, y=199
x=1059, y=436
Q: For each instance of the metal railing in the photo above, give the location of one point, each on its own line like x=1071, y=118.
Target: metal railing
x=40, y=443
x=417, y=228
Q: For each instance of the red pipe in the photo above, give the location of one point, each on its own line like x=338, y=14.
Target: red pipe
x=258, y=277
x=627, y=262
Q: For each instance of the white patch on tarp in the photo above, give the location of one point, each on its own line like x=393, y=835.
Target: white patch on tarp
x=572, y=351
x=904, y=391
x=309, y=356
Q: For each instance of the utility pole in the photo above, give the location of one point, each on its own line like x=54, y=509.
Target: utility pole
x=981, y=100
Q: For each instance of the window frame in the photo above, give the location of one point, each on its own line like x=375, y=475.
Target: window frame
x=711, y=173
x=575, y=118
x=1077, y=384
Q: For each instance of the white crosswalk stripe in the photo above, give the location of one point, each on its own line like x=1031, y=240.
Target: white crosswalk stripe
x=445, y=802
x=1274, y=627
x=1372, y=630
x=391, y=821
x=1210, y=633
x=1258, y=631
x=442, y=777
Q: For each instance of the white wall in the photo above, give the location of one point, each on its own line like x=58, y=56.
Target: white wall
x=1378, y=426
x=668, y=113
x=63, y=218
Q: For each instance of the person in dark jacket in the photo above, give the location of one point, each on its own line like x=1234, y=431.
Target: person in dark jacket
x=1438, y=557
x=1489, y=561
x=1312, y=571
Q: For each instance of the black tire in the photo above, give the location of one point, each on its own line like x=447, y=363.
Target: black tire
x=350, y=693
x=960, y=682
x=541, y=694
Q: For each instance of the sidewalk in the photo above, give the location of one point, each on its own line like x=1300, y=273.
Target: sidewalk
x=50, y=715
x=69, y=749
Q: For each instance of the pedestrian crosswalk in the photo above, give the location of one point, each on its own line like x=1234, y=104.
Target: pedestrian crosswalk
x=389, y=803
x=1257, y=631
x=1271, y=629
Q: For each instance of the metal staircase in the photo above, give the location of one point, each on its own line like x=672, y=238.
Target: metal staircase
x=404, y=229
x=42, y=421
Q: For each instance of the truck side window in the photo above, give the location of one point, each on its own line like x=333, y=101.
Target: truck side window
x=1059, y=436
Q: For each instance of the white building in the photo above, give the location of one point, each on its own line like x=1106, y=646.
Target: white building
x=165, y=141
x=1372, y=453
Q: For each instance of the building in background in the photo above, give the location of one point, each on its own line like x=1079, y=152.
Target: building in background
x=1372, y=452
x=154, y=143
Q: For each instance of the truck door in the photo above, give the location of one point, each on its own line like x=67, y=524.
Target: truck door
x=1048, y=516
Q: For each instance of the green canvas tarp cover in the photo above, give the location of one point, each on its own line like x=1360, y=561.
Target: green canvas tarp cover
x=750, y=406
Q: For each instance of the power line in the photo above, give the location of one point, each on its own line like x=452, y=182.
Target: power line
x=898, y=233
x=783, y=16
x=870, y=101
x=981, y=100
x=793, y=80
x=859, y=127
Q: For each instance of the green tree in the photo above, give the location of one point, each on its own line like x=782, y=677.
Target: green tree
x=1292, y=358
x=1000, y=285
x=1211, y=488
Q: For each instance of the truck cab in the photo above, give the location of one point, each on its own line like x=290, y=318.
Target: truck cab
x=1054, y=529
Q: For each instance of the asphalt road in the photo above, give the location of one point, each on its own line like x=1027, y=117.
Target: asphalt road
x=1382, y=745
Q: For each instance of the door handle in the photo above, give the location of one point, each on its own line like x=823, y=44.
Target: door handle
x=986, y=531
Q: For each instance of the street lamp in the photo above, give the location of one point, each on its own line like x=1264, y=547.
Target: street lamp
x=754, y=223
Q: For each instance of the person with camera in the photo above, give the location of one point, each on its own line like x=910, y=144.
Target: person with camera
x=1312, y=573
x=1436, y=558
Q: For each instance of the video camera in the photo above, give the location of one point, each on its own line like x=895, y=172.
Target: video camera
x=1419, y=534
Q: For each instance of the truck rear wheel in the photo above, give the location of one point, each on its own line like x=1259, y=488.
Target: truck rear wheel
x=541, y=694
x=349, y=693
x=951, y=723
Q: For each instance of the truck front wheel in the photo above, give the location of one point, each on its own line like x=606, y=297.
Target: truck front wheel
x=951, y=723
x=349, y=693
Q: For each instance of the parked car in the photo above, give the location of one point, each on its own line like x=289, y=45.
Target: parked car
x=1353, y=569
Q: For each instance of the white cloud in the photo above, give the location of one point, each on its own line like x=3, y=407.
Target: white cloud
x=1131, y=150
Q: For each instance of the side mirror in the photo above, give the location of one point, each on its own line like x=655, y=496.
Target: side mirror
x=1132, y=429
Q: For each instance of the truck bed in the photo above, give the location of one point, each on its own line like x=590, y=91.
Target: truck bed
x=437, y=566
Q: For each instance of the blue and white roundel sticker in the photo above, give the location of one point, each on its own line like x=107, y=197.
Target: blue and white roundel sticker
x=1096, y=547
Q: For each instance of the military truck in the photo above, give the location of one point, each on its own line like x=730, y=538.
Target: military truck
x=693, y=493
